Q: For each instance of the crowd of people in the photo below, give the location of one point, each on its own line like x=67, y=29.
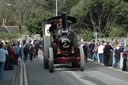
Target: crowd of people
x=103, y=50
x=10, y=51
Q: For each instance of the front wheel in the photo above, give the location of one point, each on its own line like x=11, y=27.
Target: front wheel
x=47, y=44
x=82, y=61
x=51, y=60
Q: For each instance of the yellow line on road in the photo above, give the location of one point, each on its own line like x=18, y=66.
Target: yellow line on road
x=25, y=74
x=21, y=74
x=119, y=70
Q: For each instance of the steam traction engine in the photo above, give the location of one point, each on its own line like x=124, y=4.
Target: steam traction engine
x=61, y=45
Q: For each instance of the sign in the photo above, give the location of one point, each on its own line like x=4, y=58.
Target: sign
x=95, y=35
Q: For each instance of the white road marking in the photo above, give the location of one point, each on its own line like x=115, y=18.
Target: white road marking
x=108, y=79
x=80, y=79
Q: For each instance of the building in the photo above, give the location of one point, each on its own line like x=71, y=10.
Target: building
x=10, y=29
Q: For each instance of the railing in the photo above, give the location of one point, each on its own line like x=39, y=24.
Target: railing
x=112, y=60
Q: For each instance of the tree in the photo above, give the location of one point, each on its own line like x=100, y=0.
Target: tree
x=103, y=16
x=96, y=15
x=21, y=10
x=35, y=25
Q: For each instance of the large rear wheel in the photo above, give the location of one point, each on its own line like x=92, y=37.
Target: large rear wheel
x=47, y=44
x=51, y=60
x=82, y=60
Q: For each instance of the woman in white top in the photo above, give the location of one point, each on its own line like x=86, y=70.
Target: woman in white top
x=100, y=53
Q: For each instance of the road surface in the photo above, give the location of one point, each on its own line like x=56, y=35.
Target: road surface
x=94, y=74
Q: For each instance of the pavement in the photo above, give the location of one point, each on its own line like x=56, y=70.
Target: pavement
x=8, y=76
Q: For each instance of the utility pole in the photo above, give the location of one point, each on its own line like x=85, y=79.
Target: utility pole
x=56, y=8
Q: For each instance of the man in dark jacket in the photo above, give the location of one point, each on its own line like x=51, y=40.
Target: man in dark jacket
x=107, y=52
x=31, y=52
x=117, y=55
x=86, y=49
x=125, y=55
x=91, y=47
x=26, y=52
x=36, y=48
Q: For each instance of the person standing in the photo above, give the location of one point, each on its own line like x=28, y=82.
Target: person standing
x=95, y=52
x=22, y=51
x=11, y=53
x=107, y=52
x=100, y=53
x=26, y=52
x=91, y=47
x=36, y=48
x=117, y=55
x=8, y=60
x=31, y=52
x=86, y=49
x=16, y=55
x=3, y=54
x=125, y=56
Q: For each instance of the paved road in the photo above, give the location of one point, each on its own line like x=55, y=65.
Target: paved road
x=94, y=74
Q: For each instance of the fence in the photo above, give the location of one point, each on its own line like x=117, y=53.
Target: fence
x=112, y=60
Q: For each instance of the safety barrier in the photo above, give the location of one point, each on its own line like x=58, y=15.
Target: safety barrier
x=112, y=60
x=121, y=61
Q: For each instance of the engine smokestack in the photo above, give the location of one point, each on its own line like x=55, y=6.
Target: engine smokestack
x=64, y=21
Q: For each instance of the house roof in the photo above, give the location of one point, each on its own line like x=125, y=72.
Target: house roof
x=11, y=29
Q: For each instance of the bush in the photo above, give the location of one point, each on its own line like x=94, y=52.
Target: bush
x=4, y=35
x=87, y=35
x=118, y=31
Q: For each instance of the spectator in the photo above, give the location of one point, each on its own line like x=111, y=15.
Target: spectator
x=86, y=49
x=22, y=51
x=125, y=54
x=117, y=56
x=112, y=42
x=121, y=47
x=36, y=48
x=91, y=47
x=31, y=52
x=95, y=50
x=116, y=42
x=3, y=54
x=16, y=55
x=100, y=53
x=11, y=53
x=8, y=61
x=26, y=52
x=107, y=51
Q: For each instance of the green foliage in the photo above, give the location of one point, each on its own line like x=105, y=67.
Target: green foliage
x=100, y=16
x=107, y=17
x=4, y=35
x=121, y=13
x=51, y=5
x=35, y=25
x=87, y=35
x=117, y=31
x=24, y=30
